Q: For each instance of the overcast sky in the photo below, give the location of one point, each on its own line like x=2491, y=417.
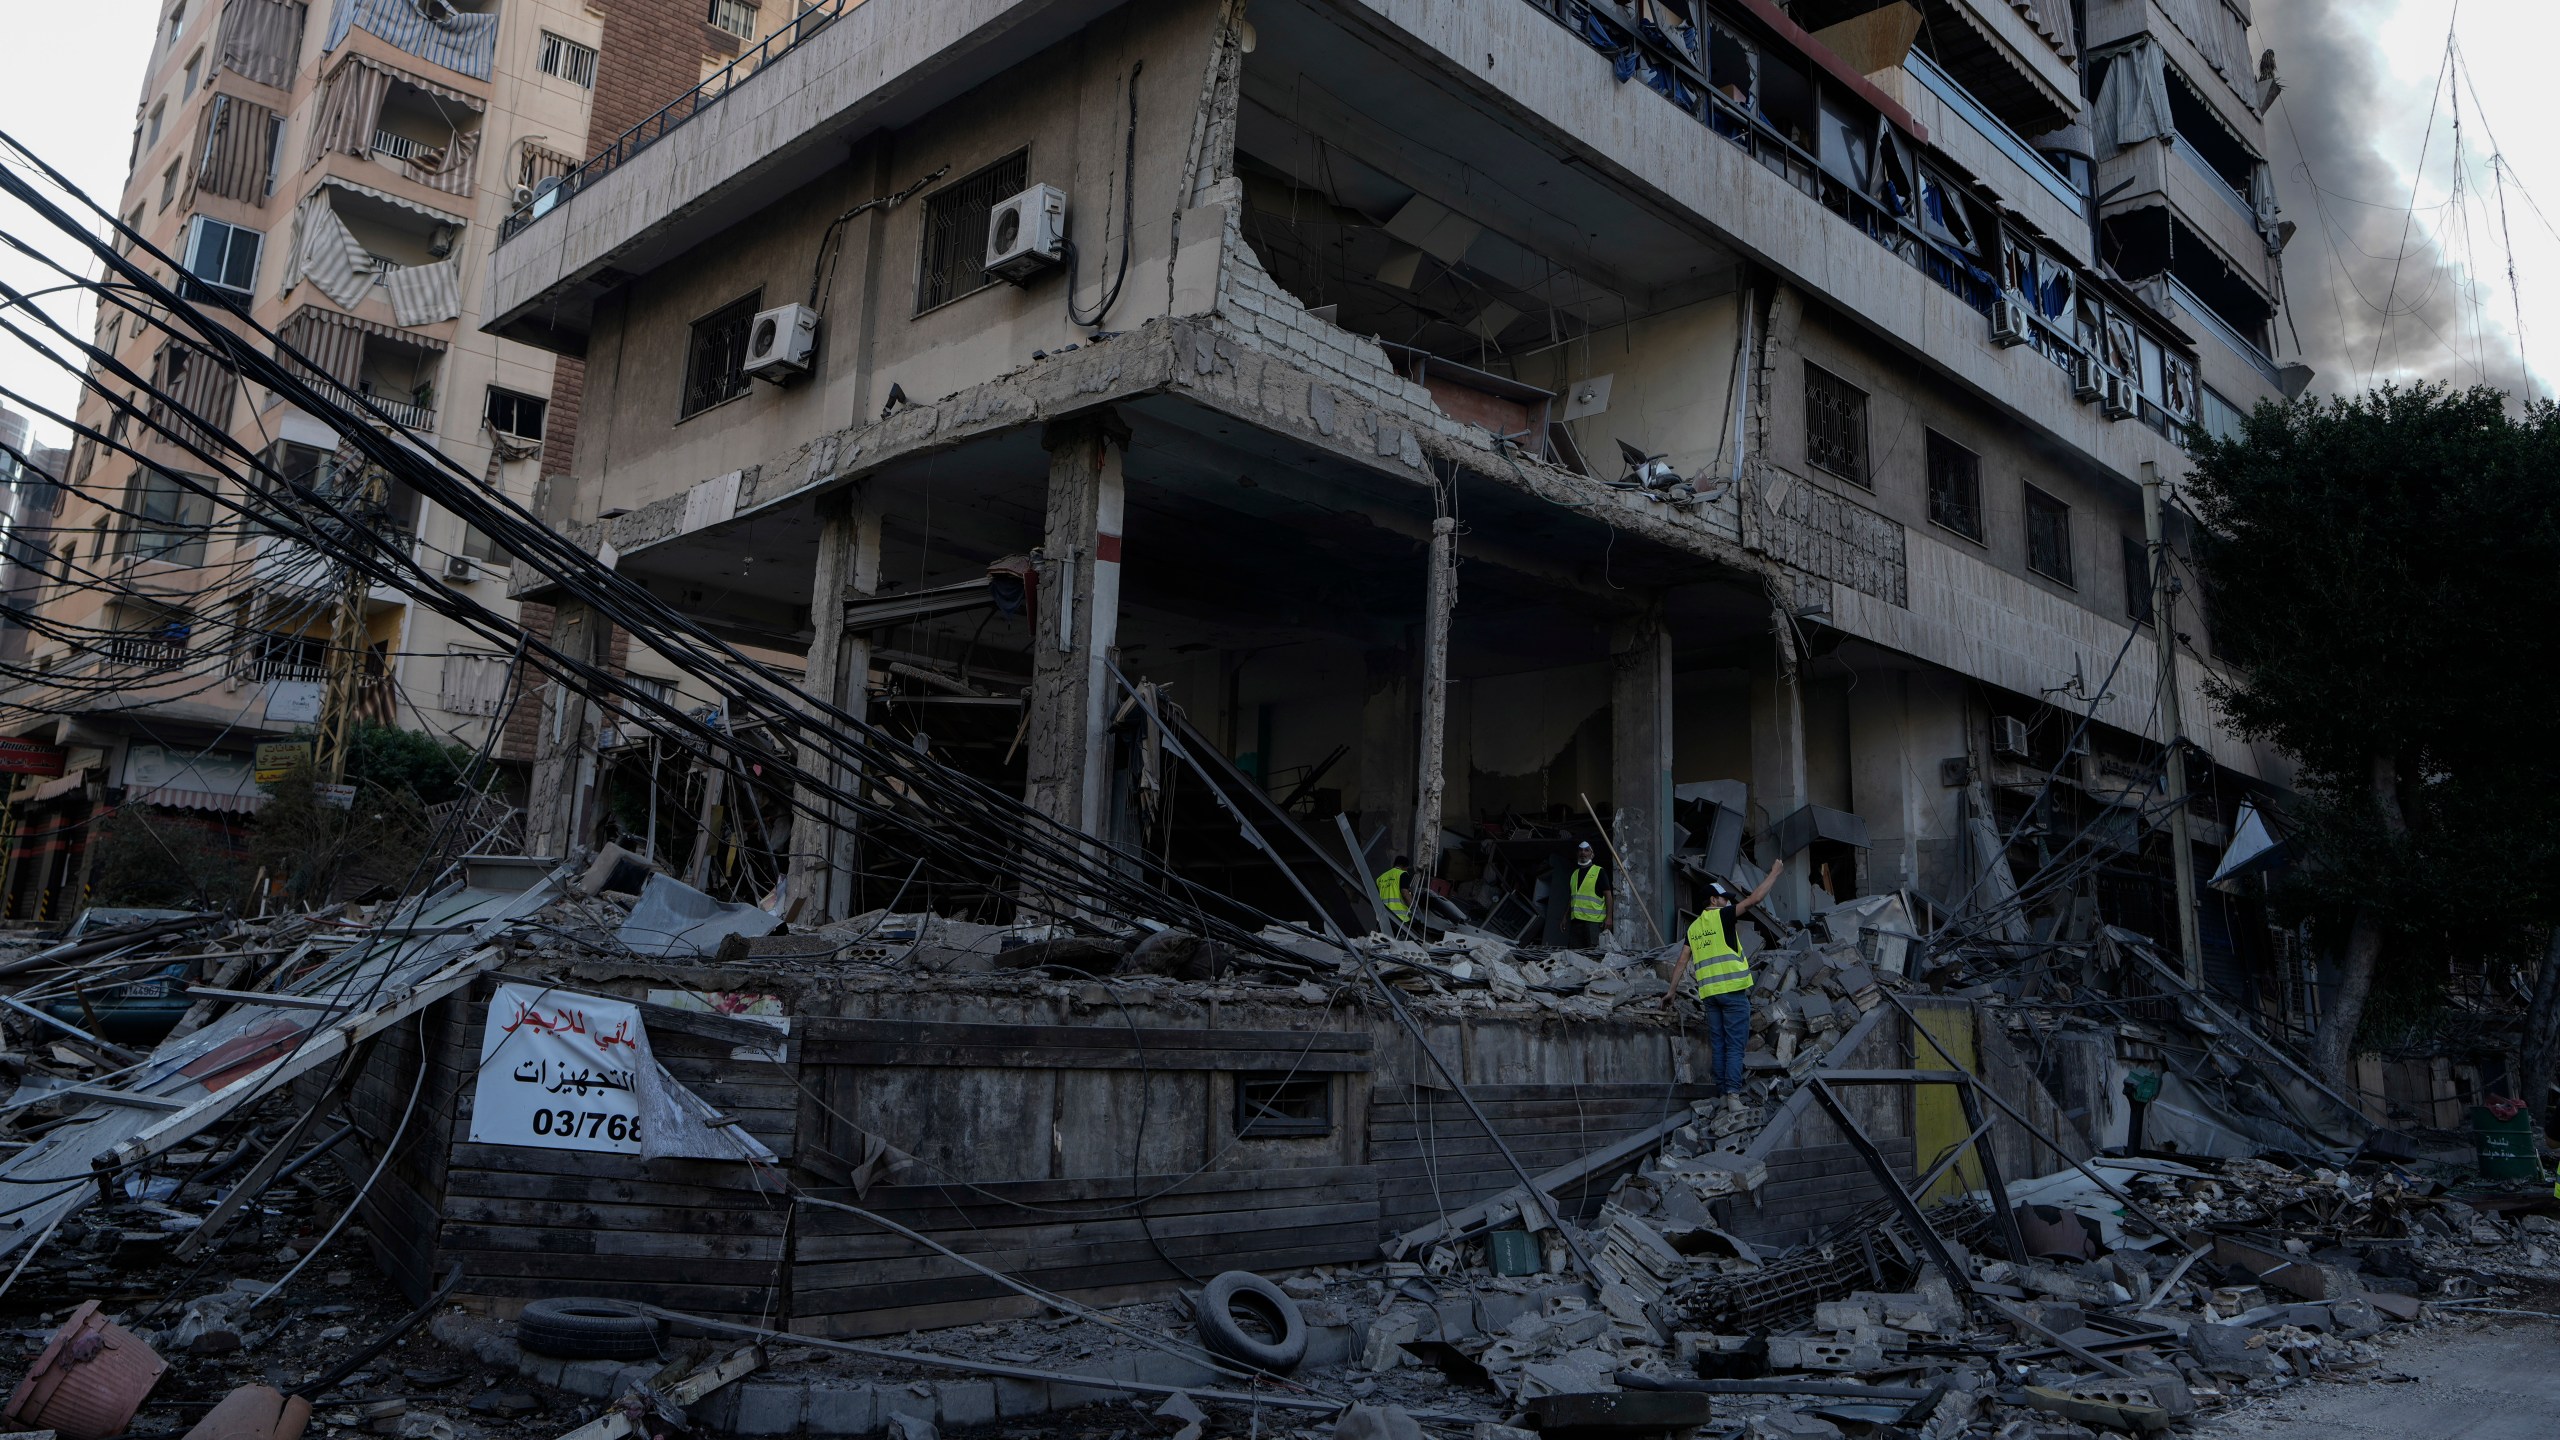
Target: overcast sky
x=2358, y=73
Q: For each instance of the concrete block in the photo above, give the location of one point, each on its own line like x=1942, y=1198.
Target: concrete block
x=715, y=1411
x=595, y=1379
x=903, y=1400
x=1329, y=1345
x=967, y=1402
x=1495, y=1310
x=838, y=1408
x=770, y=1407
x=548, y=1369
x=1457, y=1317
x=1020, y=1397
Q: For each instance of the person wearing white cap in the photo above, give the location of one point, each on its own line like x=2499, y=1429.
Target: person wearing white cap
x=1593, y=906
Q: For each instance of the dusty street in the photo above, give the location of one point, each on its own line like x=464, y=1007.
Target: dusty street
x=2497, y=1381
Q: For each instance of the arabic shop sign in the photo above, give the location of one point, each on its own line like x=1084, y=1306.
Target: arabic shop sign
x=560, y=1071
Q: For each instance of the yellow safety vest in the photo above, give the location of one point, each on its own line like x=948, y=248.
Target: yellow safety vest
x=1718, y=968
x=1391, y=890
x=1587, y=904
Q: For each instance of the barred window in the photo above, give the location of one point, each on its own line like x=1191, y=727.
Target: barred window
x=738, y=17
x=568, y=59
x=1835, y=424
x=1955, y=487
x=2048, y=536
x=715, y=367
x=955, y=230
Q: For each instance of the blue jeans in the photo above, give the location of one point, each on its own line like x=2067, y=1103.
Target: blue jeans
x=1729, y=1034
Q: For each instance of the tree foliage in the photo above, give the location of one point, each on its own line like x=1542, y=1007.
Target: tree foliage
x=319, y=853
x=2378, y=571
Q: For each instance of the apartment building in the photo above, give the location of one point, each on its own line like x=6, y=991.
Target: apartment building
x=338, y=170
x=1722, y=418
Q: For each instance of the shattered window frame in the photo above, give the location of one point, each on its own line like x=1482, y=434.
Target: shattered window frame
x=1835, y=426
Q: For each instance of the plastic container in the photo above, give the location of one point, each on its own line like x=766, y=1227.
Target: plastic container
x=91, y=1378
x=2506, y=1146
x=1513, y=1252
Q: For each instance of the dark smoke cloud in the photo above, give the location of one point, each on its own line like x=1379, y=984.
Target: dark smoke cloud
x=2357, y=127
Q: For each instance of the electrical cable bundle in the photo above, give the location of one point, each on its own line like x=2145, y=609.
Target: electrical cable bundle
x=959, y=821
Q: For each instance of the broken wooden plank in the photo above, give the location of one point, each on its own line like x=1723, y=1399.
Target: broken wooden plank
x=737, y=1365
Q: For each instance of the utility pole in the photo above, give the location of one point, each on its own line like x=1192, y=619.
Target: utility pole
x=2182, y=857
x=343, y=691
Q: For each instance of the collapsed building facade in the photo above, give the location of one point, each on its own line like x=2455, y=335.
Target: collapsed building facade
x=1414, y=430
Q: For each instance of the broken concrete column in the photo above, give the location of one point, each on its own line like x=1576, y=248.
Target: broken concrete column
x=1431, y=778
x=1640, y=782
x=1779, y=782
x=1067, y=762
x=563, y=757
x=822, y=832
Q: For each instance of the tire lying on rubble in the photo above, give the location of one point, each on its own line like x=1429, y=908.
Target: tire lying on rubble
x=580, y=1328
x=1247, y=1319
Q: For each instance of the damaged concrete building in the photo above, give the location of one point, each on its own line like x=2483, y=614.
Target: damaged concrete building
x=1431, y=430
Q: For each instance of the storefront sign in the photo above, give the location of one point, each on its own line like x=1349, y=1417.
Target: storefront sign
x=560, y=1071
x=28, y=757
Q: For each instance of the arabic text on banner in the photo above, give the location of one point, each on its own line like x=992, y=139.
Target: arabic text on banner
x=560, y=1071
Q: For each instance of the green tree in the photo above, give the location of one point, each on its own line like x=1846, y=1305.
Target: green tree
x=2378, y=572
x=319, y=852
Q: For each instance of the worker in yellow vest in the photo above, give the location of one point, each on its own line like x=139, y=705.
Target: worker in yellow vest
x=1592, y=902
x=1391, y=883
x=1722, y=976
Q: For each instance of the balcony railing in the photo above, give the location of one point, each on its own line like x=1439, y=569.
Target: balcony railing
x=144, y=650
x=675, y=114
x=412, y=416
x=398, y=147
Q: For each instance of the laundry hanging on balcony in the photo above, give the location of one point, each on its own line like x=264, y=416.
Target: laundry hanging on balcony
x=461, y=43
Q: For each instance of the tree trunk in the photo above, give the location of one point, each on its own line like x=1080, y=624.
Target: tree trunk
x=2541, y=1056
x=2334, y=1047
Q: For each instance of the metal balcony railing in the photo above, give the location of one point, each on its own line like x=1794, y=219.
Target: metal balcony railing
x=675, y=114
x=414, y=417
x=143, y=650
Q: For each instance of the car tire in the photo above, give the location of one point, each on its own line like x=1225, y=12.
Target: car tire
x=582, y=1328
x=1247, y=1319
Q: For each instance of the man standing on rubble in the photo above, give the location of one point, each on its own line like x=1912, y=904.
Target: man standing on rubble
x=1391, y=883
x=1592, y=902
x=1723, y=977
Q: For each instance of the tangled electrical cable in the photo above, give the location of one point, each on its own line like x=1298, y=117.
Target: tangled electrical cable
x=1046, y=866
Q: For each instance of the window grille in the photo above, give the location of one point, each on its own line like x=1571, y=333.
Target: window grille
x=1835, y=424
x=715, y=366
x=569, y=60
x=955, y=230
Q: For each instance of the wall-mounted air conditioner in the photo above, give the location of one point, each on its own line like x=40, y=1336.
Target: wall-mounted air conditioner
x=782, y=343
x=2088, y=377
x=2009, y=322
x=1027, y=234
x=2009, y=736
x=2117, y=398
x=460, y=567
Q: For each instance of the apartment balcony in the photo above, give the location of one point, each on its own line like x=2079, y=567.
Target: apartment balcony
x=145, y=651
x=421, y=418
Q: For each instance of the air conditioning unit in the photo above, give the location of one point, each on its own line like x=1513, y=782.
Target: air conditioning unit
x=2009, y=736
x=1027, y=234
x=2009, y=322
x=2088, y=377
x=2117, y=399
x=460, y=567
x=782, y=343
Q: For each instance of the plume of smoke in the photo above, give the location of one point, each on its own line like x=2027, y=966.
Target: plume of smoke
x=2340, y=109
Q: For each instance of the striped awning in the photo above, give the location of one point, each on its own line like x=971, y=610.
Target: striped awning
x=387, y=198
x=464, y=44
x=53, y=789
x=172, y=797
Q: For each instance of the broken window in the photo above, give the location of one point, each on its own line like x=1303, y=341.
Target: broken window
x=1955, y=487
x=2048, y=536
x=512, y=412
x=715, y=363
x=1279, y=1103
x=2137, y=580
x=1835, y=424
x=955, y=230
x=169, y=518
